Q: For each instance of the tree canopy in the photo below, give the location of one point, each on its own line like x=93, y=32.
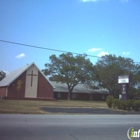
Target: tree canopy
x=72, y=70
x=109, y=67
x=69, y=69
x=2, y=75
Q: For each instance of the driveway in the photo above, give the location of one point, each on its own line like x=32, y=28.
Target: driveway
x=86, y=111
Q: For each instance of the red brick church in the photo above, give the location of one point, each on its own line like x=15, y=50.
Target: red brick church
x=35, y=85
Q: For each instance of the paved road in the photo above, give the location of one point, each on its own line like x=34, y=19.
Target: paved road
x=66, y=127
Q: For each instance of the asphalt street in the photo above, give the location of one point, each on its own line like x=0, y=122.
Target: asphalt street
x=66, y=127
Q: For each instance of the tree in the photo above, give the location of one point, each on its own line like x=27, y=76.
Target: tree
x=109, y=67
x=69, y=69
x=2, y=75
x=136, y=81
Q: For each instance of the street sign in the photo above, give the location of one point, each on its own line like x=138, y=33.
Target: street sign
x=124, y=79
x=124, y=88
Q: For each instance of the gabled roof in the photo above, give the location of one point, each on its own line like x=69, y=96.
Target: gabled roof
x=80, y=88
x=15, y=74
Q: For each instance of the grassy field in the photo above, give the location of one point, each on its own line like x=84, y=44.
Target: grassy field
x=33, y=107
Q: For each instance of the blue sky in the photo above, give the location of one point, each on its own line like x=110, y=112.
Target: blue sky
x=94, y=27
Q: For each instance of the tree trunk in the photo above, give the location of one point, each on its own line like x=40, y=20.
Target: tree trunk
x=70, y=88
x=69, y=95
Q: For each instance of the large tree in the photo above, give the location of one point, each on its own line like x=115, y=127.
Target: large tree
x=136, y=81
x=109, y=67
x=69, y=69
x=2, y=75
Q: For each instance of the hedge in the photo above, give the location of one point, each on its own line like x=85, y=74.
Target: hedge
x=124, y=105
x=109, y=101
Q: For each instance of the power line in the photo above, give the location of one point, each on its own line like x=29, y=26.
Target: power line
x=38, y=47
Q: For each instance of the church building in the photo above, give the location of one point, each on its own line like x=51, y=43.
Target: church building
x=34, y=84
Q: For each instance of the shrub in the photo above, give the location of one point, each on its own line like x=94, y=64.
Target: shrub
x=109, y=101
x=129, y=104
x=121, y=104
x=115, y=103
x=124, y=105
x=132, y=101
x=136, y=105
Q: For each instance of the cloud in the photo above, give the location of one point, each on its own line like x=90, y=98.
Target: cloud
x=7, y=72
x=102, y=53
x=125, y=53
x=20, y=55
x=94, y=49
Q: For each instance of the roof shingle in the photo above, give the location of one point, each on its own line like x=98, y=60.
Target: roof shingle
x=80, y=88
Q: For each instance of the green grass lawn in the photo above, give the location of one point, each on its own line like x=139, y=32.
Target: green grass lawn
x=33, y=107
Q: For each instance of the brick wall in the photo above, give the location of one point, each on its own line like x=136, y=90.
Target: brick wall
x=3, y=91
x=81, y=96
x=45, y=90
x=44, y=87
x=12, y=93
x=63, y=95
x=99, y=97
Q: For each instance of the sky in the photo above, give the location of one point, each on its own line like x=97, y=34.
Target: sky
x=94, y=27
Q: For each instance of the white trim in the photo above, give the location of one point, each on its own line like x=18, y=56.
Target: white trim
x=31, y=90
